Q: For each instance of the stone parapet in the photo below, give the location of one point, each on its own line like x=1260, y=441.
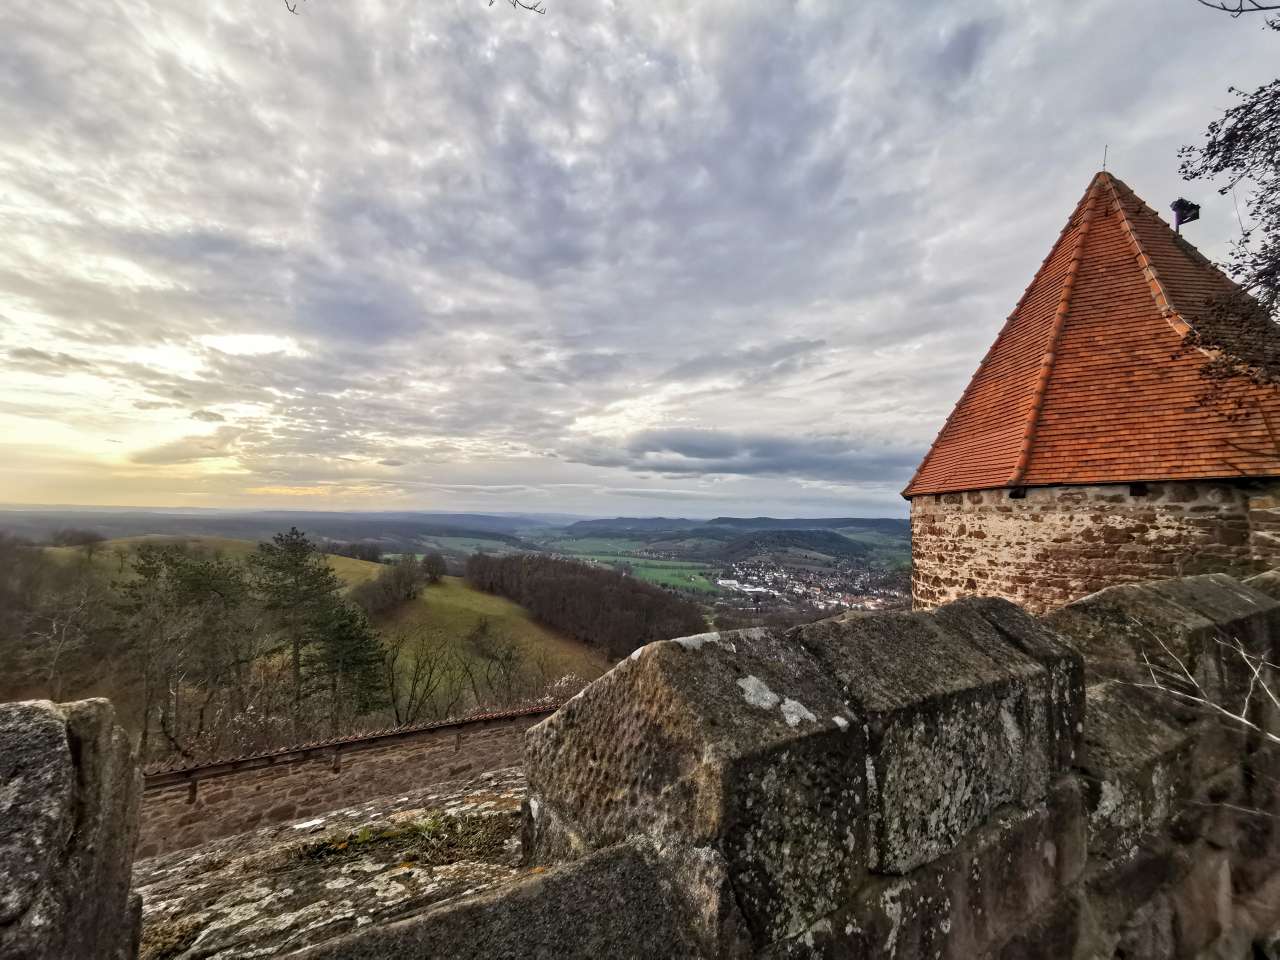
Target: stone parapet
x=69, y=788
x=964, y=782
x=967, y=782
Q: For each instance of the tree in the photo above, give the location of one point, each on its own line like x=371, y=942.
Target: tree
x=433, y=567
x=422, y=677
x=1239, y=7
x=345, y=663
x=494, y=665
x=297, y=588
x=1244, y=148
x=535, y=7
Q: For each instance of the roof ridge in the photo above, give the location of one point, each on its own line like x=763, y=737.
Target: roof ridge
x=973, y=378
x=1055, y=332
x=1159, y=293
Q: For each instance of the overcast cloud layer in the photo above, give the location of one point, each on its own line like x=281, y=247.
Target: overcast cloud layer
x=623, y=257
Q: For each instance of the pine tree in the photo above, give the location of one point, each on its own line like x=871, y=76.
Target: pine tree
x=345, y=662
x=298, y=590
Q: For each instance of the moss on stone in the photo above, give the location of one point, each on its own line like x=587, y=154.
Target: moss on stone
x=165, y=939
x=438, y=840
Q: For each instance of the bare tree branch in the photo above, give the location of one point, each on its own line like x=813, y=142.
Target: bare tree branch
x=1239, y=7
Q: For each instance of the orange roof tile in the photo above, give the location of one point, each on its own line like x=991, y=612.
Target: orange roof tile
x=1089, y=381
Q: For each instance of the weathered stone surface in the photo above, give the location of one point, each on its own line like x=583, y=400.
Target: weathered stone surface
x=69, y=788
x=987, y=891
x=1056, y=544
x=616, y=902
x=738, y=742
x=1138, y=767
x=1267, y=582
x=968, y=707
x=1193, y=620
x=266, y=892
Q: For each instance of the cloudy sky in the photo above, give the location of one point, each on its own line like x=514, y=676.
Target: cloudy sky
x=627, y=257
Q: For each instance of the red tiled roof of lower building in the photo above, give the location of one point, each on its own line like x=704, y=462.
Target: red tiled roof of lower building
x=1090, y=381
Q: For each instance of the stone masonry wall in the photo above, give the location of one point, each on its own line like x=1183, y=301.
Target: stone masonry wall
x=964, y=783
x=1059, y=543
x=184, y=808
x=69, y=787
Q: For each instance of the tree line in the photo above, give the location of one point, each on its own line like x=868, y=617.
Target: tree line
x=590, y=604
x=206, y=655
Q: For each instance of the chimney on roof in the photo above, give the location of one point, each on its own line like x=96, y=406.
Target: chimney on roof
x=1184, y=211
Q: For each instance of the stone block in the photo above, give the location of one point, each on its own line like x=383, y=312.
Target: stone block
x=1189, y=619
x=1267, y=582
x=617, y=902
x=69, y=789
x=1002, y=880
x=1137, y=763
x=736, y=742
x=967, y=707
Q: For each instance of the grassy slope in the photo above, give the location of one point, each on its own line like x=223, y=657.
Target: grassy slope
x=449, y=609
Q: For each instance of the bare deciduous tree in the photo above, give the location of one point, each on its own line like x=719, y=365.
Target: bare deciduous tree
x=535, y=7
x=422, y=677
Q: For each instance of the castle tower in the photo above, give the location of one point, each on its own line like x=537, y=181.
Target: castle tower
x=1090, y=448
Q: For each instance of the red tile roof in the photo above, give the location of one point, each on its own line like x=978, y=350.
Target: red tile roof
x=1090, y=382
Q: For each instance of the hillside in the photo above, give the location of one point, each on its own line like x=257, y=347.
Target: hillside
x=446, y=611
x=449, y=610
x=818, y=545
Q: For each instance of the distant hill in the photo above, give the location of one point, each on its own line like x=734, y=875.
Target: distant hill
x=892, y=525
x=598, y=528
x=769, y=543
x=638, y=525
x=394, y=532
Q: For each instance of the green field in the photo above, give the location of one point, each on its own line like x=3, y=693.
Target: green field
x=613, y=547
x=448, y=610
x=679, y=574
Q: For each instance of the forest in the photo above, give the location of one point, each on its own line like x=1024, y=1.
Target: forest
x=210, y=648
x=591, y=604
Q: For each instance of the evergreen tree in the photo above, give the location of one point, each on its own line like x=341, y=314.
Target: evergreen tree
x=298, y=589
x=345, y=663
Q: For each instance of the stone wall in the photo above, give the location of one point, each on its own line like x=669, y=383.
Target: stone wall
x=964, y=782
x=69, y=787
x=1056, y=544
x=967, y=782
x=183, y=808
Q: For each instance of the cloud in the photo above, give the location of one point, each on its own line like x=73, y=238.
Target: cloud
x=617, y=252
x=154, y=405
x=51, y=363
x=700, y=452
x=190, y=449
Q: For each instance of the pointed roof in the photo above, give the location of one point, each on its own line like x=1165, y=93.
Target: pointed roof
x=1089, y=381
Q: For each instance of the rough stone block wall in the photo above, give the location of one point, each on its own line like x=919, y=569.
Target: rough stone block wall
x=1057, y=544
x=965, y=783
x=69, y=788
x=187, y=808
